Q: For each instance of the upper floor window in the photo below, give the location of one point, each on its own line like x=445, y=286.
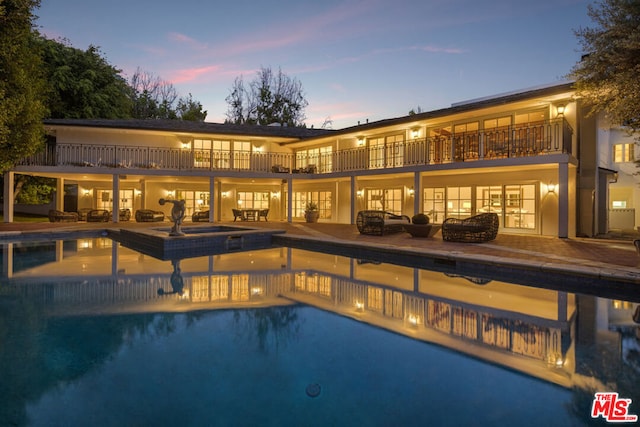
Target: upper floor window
x=386, y=152
x=623, y=153
x=498, y=122
x=531, y=117
x=315, y=159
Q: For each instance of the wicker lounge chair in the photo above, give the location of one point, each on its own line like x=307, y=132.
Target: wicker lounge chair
x=380, y=222
x=124, y=214
x=476, y=229
x=200, y=216
x=98, y=215
x=148, y=215
x=59, y=216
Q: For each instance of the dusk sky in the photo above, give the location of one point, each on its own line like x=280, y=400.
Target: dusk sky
x=357, y=60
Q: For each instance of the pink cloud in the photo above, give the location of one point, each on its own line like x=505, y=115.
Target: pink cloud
x=184, y=39
x=192, y=74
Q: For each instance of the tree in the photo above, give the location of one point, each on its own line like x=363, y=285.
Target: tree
x=190, y=109
x=21, y=84
x=82, y=84
x=155, y=98
x=415, y=111
x=270, y=98
x=607, y=75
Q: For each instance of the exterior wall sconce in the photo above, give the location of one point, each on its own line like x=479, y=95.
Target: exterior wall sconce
x=225, y=194
x=415, y=133
x=171, y=194
x=360, y=193
x=137, y=192
x=411, y=192
x=551, y=188
x=275, y=194
x=561, y=109
x=360, y=141
x=87, y=192
x=186, y=145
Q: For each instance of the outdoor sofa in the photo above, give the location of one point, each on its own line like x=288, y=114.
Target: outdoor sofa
x=200, y=216
x=148, y=215
x=60, y=216
x=98, y=215
x=475, y=229
x=380, y=222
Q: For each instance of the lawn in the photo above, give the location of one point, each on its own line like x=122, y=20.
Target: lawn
x=26, y=218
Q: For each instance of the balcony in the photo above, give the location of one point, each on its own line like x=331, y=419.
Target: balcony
x=543, y=138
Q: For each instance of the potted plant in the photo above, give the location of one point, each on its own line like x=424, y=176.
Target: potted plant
x=311, y=213
x=420, y=226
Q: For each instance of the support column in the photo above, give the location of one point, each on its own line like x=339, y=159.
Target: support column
x=7, y=204
x=289, y=200
x=417, y=193
x=563, y=200
x=354, y=200
x=212, y=189
x=60, y=194
x=115, y=215
x=143, y=194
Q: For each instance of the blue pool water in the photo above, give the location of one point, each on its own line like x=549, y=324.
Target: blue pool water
x=215, y=368
x=91, y=333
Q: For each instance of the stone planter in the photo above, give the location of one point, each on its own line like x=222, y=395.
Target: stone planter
x=421, y=230
x=311, y=216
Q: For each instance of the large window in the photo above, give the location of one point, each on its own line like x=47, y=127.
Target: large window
x=439, y=144
x=105, y=200
x=466, y=141
x=459, y=202
x=211, y=153
x=489, y=199
x=194, y=201
x=496, y=136
x=433, y=204
x=241, y=155
x=320, y=157
x=623, y=153
x=389, y=200
x=321, y=198
x=515, y=204
x=253, y=199
x=520, y=209
x=386, y=152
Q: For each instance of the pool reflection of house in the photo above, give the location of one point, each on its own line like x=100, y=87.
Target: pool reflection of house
x=533, y=157
x=531, y=330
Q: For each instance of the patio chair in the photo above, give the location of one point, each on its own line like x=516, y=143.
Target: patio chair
x=475, y=229
x=262, y=213
x=237, y=213
x=380, y=222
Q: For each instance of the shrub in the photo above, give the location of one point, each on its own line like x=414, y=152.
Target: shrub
x=420, y=219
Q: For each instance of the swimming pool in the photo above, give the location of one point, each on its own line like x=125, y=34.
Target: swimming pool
x=283, y=336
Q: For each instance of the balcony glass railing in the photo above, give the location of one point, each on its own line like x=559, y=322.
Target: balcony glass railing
x=508, y=142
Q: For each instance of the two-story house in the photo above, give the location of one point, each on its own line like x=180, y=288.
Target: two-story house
x=531, y=156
